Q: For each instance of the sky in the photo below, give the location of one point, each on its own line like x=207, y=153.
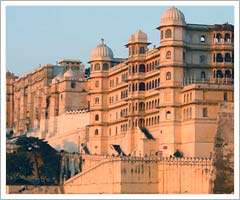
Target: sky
x=45, y=34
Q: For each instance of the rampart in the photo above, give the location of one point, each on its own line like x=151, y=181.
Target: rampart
x=127, y=175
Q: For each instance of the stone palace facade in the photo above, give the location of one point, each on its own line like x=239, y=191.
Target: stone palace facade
x=153, y=102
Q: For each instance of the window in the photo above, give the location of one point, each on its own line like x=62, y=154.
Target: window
x=96, y=131
x=96, y=117
x=141, y=86
x=168, y=55
x=202, y=39
x=227, y=37
x=227, y=57
x=105, y=66
x=141, y=68
x=162, y=36
x=202, y=59
x=227, y=74
x=97, y=84
x=219, y=74
x=96, y=100
x=205, y=112
x=225, y=96
x=168, y=115
x=219, y=57
x=168, y=33
x=184, y=56
x=203, y=75
x=219, y=37
x=141, y=50
x=73, y=84
x=97, y=67
x=168, y=76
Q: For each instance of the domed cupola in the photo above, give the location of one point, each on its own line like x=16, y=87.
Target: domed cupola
x=140, y=36
x=69, y=74
x=172, y=16
x=102, y=52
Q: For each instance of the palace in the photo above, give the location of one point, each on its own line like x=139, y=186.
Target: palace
x=154, y=102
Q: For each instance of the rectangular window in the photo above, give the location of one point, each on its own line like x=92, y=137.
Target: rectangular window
x=205, y=112
x=225, y=96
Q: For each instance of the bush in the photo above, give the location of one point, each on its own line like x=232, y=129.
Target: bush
x=178, y=154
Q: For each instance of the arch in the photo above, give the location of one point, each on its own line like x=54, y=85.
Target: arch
x=105, y=66
x=96, y=131
x=147, y=86
x=203, y=75
x=153, y=84
x=142, y=50
x=97, y=100
x=227, y=57
x=219, y=74
x=162, y=35
x=168, y=33
x=96, y=117
x=227, y=37
x=168, y=115
x=219, y=57
x=218, y=37
x=141, y=68
x=158, y=84
x=141, y=122
x=228, y=74
x=168, y=55
x=202, y=59
x=202, y=39
x=168, y=76
x=97, y=67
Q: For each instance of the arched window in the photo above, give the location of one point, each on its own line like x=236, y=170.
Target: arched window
x=153, y=84
x=227, y=37
x=219, y=57
x=202, y=39
x=168, y=55
x=97, y=67
x=96, y=83
x=227, y=74
x=219, y=37
x=168, y=33
x=96, y=100
x=105, y=66
x=141, y=86
x=96, y=117
x=168, y=115
x=141, y=68
x=203, y=75
x=202, y=59
x=162, y=36
x=141, y=50
x=227, y=57
x=96, y=131
x=219, y=74
x=158, y=82
x=168, y=76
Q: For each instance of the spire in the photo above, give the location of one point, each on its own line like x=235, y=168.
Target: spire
x=102, y=41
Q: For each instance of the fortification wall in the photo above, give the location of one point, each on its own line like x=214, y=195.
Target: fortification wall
x=127, y=175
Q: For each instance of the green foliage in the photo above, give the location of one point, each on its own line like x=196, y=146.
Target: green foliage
x=18, y=165
x=45, y=159
x=178, y=154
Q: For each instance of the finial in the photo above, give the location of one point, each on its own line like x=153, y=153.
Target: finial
x=102, y=41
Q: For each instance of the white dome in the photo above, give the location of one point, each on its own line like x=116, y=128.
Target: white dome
x=69, y=74
x=140, y=36
x=55, y=80
x=172, y=16
x=102, y=52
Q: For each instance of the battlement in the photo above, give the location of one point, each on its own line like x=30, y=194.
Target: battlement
x=71, y=112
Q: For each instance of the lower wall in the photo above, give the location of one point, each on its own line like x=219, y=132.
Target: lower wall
x=32, y=189
x=131, y=175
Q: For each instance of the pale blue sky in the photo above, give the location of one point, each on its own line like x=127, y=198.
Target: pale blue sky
x=39, y=35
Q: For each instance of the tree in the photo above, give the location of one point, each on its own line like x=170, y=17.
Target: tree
x=18, y=166
x=46, y=158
